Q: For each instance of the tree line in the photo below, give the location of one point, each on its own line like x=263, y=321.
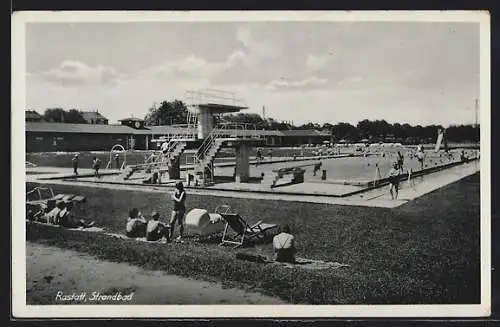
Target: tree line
x=175, y=112
x=59, y=115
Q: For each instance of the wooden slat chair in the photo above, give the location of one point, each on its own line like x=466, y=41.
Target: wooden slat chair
x=40, y=195
x=240, y=226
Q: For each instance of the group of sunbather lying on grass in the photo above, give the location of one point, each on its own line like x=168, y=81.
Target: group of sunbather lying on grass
x=60, y=213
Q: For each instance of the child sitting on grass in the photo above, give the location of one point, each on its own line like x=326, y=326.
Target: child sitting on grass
x=284, y=245
x=155, y=229
x=136, y=224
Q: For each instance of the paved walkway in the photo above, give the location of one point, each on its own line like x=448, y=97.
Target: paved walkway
x=52, y=271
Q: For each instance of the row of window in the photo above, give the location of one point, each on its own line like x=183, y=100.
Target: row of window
x=60, y=138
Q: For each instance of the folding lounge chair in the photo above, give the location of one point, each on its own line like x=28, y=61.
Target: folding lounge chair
x=40, y=195
x=243, y=230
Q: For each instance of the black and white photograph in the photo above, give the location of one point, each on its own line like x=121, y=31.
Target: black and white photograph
x=251, y=164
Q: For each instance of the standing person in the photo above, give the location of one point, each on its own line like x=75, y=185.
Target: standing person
x=75, y=164
x=117, y=161
x=179, y=197
x=317, y=167
x=270, y=154
x=258, y=156
x=411, y=181
x=96, y=164
x=420, y=157
x=164, y=147
x=463, y=157
x=394, y=181
x=400, y=162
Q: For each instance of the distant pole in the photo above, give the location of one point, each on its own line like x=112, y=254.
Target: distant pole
x=476, y=108
x=263, y=112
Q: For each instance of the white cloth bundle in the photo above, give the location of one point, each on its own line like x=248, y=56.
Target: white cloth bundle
x=200, y=222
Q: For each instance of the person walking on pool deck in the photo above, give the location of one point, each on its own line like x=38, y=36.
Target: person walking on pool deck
x=400, y=161
x=394, y=181
x=136, y=224
x=420, y=156
x=284, y=245
x=155, y=229
x=179, y=197
x=75, y=164
x=117, y=161
x=96, y=164
x=258, y=157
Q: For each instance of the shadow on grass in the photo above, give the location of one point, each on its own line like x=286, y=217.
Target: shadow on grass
x=424, y=252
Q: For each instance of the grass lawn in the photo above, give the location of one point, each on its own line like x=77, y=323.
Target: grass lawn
x=425, y=252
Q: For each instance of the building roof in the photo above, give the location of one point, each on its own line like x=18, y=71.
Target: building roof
x=131, y=119
x=266, y=132
x=304, y=132
x=254, y=132
x=32, y=114
x=78, y=128
x=88, y=115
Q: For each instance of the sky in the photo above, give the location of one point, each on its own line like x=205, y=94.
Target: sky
x=324, y=72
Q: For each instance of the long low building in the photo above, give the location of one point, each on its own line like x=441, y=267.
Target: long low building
x=49, y=137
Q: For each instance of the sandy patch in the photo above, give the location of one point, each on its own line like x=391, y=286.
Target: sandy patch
x=50, y=270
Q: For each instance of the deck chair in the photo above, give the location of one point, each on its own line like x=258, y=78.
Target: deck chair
x=40, y=195
x=240, y=226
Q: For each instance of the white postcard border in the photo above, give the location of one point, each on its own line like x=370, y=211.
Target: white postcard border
x=21, y=310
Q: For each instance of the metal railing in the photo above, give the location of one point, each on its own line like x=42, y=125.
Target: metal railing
x=205, y=96
x=248, y=130
x=222, y=131
x=189, y=134
x=225, y=130
x=170, y=154
x=161, y=157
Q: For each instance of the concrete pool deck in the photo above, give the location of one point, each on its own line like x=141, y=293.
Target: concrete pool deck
x=378, y=197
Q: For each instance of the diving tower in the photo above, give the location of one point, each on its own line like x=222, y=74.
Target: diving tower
x=207, y=135
x=208, y=105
